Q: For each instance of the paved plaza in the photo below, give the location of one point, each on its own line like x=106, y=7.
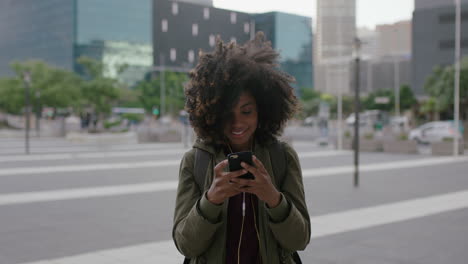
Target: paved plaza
x=72, y=203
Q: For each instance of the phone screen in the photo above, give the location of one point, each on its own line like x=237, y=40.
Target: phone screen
x=235, y=160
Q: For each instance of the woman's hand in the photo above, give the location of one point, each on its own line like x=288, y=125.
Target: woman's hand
x=261, y=185
x=222, y=187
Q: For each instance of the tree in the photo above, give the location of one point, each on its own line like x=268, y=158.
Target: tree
x=368, y=103
x=11, y=95
x=99, y=92
x=309, y=100
x=49, y=86
x=440, y=86
x=407, y=99
x=149, y=92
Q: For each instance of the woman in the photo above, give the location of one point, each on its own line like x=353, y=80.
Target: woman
x=238, y=100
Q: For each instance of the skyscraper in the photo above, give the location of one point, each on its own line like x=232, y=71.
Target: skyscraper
x=433, y=37
x=336, y=30
x=115, y=32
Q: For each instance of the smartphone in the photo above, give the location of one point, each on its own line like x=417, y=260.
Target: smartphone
x=235, y=160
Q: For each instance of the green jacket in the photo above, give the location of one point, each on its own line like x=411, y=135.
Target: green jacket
x=199, y=230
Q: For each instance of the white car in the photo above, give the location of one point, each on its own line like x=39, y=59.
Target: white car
x=434, y=132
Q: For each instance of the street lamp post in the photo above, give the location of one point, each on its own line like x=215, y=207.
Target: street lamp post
x=38, y=113
x=397, y=86
x=162, y=87
x=357, y=106
x=457, y=75
x=340, y=87
x=27, y=83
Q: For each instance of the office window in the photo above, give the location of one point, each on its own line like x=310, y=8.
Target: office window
x=164, y=25
x=449, y=18
x=191, y=56
x=206, y=13
x=173, y=54
x=246, y=27
x=212, y=40
x=175, y=9
x=233, y=18
x=450, y=44
x=194, y=29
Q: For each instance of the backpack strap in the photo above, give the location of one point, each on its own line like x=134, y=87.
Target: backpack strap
x=202, y=158
x=278, y=162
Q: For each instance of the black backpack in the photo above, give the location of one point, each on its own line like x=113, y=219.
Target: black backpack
x=277, y=159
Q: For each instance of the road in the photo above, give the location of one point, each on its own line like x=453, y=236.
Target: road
x=72, y=203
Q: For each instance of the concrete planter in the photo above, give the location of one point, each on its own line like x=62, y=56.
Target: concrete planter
x=159, y=136
x=400, y=146
x=347, y=143
x=446, y=148
x=372, y=145
x=103, y=138
x=170, y=136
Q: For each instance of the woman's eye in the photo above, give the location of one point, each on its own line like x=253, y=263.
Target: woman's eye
x=246, y=112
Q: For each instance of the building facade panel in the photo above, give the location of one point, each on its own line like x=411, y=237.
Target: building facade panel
x=433, y=41
x=176, y=36
x=115, y=20
x=116, y=32
x=333, y=45
x=41, y=30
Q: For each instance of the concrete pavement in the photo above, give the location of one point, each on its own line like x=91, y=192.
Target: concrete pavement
x=109, y=214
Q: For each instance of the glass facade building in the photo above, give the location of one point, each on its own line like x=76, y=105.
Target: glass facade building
x=291, y=35
x=433, y=36
x=142, y=34
x=42, y=30
x=116, y=32
x=181, y=29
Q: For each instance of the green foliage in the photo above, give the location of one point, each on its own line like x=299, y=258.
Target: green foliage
x=402, y=136
x=369, y=136
x=11, y=95
x=369, y=102
x=429, y=106
x=310, y=102
x=447, y=139
x=149, y=92
x=347, y=134
x=440, y=86
x=308, y=94
x=49, y=86
x=407, y=98
x=98, y=92
x=133, y=117
x=110, y=124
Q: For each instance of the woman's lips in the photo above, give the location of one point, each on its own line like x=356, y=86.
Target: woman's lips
x=238, y=133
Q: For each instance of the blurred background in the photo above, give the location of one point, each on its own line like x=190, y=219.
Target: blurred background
x=93, y=92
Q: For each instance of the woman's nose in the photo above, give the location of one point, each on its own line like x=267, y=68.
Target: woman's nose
x=235, y=120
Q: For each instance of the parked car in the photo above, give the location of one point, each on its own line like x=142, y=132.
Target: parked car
x=310, y=121
x=435, y=132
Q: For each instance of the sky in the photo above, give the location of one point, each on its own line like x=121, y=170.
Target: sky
x=369, y=12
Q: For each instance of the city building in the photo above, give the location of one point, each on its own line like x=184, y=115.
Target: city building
x=385, y=73
x=116, y=32
x=433, y=37
x=386, y=57
x=292, y=36
x=394, y=39
x=142, y=36
x=181, y=29
x=333, y=48
x=369, y=38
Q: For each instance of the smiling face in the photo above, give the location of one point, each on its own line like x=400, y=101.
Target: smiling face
x=240, y=129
